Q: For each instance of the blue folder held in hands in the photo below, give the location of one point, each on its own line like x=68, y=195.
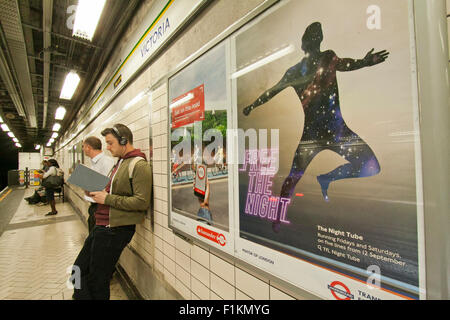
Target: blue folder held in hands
x=88, y=179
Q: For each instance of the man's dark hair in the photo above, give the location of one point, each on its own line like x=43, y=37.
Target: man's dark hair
x=124, y=132
x=94, y=142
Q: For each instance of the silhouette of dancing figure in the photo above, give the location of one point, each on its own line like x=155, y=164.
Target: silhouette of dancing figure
x=314, y=81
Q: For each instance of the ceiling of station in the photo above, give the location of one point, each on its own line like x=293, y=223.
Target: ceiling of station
x=37, y=50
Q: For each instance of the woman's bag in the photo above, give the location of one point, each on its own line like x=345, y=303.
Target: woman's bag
x=53, y=182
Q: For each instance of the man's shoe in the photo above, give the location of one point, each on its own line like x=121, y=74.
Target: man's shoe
x=52, y=213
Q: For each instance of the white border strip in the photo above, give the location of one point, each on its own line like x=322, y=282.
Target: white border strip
x=418, y=156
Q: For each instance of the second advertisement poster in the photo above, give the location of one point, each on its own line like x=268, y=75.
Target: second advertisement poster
x=199, y=111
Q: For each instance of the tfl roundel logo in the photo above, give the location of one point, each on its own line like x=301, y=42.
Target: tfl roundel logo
x=340, y=291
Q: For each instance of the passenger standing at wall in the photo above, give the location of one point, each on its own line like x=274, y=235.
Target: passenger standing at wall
x=121, y=206
x=100, y=162
x=50, y=191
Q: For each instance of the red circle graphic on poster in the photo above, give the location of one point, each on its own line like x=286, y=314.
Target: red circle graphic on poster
x=201, y=172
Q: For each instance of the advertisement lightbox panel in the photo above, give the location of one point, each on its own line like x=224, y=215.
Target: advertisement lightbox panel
x=342, y=215
x=199, y=109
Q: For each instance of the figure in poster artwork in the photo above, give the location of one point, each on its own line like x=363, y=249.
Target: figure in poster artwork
x=314, y=80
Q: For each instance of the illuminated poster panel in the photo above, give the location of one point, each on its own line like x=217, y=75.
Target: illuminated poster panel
x=199, y=112
x=335, y=205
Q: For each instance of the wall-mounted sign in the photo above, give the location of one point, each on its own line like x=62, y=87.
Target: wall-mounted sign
x=342, y=216
x=48, y=151
x=199, y=99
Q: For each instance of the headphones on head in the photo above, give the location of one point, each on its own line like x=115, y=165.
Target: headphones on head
x=122, y=140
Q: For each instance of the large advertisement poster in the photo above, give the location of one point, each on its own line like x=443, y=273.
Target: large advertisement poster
x=337, y=209
x=199, y=103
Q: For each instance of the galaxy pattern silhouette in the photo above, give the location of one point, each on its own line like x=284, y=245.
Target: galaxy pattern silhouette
x=314, y=81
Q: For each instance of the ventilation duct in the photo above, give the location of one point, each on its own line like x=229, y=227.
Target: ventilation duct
x=15, y=43
x=47, y=23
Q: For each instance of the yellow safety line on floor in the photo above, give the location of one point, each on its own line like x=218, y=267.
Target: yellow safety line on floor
x=4, y=196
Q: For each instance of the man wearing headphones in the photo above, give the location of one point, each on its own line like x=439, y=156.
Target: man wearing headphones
x=121, y=206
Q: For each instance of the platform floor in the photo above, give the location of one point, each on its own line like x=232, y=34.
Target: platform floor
x=37, y=252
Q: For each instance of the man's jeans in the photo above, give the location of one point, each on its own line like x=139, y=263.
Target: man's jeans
x=97, y=261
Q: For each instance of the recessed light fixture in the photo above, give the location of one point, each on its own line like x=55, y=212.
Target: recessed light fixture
x=60, y=113
x=87, y=17
x=70, y=85
x=56, y=127
x=5, y=127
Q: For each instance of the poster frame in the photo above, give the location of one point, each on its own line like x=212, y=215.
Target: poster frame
x=422, y=292
x=212, y=236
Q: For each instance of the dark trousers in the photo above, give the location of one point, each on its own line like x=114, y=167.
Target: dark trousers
x=97, y=261
x=91, y=219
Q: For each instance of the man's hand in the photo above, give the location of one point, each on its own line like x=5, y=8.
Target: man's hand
x=375, y=58
x=99, y=196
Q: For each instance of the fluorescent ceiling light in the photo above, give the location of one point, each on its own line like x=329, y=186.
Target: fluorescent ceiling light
x=38, y=147
x=55, y=135
x=60, y=113
x=275, y=56
x=18, y=145
x=5, y=127
x=15, y=140
x=51, y=140
x=189, y=97
x=11, y=134
x=70, y=85
x=49, y=144
x=1, y=119
x=56, y=127
x=87, y=17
